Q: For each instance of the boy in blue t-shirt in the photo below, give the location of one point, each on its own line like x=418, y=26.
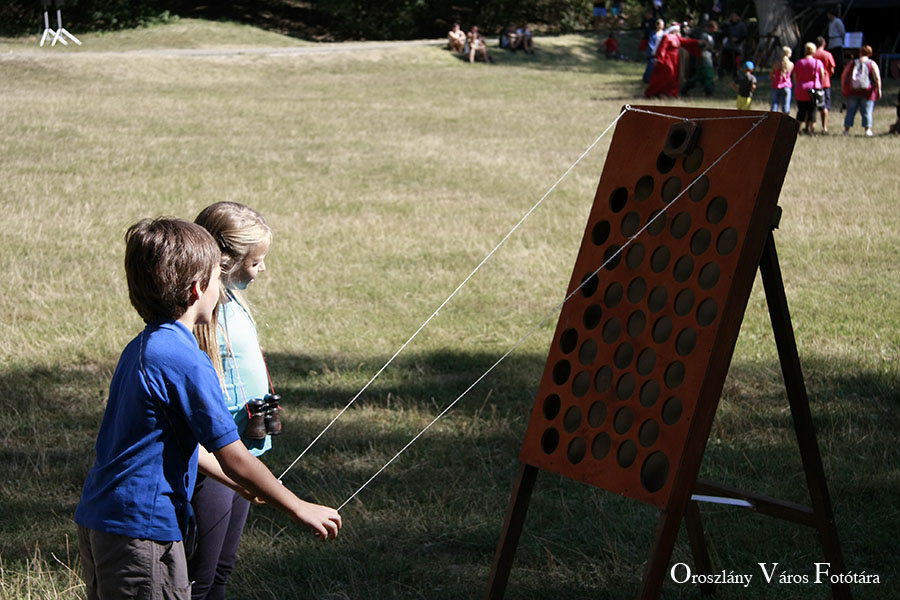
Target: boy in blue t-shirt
x=164, y=400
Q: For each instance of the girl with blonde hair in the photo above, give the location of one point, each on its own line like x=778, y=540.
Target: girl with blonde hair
x=781, y=82
x=231, y=341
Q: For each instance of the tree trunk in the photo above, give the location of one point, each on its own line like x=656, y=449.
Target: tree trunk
x=776, y=18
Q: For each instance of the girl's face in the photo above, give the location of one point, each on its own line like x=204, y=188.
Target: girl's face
x=251, y=267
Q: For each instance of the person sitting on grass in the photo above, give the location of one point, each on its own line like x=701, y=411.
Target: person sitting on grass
x=611, y=45
x=135, y=513
x=525, y=38
x=509, y=39
x=457, y=39
x=477, y=46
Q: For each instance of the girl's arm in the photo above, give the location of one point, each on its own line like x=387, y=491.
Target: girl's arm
x=245, y=469
x=209, y=466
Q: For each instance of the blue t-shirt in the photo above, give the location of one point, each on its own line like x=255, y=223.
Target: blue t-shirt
x=144, y=471
x=244, y=368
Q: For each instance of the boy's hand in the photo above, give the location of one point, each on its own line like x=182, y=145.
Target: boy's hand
x=324, y=521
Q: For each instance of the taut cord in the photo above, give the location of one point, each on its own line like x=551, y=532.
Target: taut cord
x=459, y=287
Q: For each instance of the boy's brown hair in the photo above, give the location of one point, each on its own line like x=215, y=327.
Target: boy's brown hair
x=163, y=257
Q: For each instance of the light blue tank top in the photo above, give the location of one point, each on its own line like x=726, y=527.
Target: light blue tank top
x=244, y=368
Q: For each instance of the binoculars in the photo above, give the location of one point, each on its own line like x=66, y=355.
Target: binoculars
x=265, y=418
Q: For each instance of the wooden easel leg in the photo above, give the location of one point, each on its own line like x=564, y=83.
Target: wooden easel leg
x=803, y=424
x=663, y=543
x=694, y=528
x=512, y=530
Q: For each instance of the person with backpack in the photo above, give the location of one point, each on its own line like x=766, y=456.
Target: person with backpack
x=861, y=87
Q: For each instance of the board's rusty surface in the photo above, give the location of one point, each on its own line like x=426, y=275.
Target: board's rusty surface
x=640, y=353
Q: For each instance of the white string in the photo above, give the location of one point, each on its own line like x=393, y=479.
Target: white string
x=556, y=308
x=459, y=287
x=677, y=118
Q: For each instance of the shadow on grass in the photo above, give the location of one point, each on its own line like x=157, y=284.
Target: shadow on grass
x=428, y=525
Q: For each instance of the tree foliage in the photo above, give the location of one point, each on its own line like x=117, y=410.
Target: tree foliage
x=337, y=19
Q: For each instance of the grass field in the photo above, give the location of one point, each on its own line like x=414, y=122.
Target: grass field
x=387, y=174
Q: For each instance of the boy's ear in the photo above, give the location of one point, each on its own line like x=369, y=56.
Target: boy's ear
x=196, y=292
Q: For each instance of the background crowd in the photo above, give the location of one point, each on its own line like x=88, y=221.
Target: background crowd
x=712, y=50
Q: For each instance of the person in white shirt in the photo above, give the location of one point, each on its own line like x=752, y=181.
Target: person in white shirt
x=836, y=31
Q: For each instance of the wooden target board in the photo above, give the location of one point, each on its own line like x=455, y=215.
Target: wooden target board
x=641, y=350
x=681, y=221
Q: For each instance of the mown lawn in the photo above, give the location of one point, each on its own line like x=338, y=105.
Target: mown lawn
x=387, y=175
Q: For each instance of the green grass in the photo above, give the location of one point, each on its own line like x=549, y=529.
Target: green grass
x=387, y=174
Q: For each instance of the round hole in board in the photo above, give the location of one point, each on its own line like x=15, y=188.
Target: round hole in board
x=674, y=375
x=592, y=316
x=646, y=361
x=612, y=330
x=699, y=188
x=623, y=420
x=635, y=255
x=603, y=379
x=700, y=241
x=625, y=386
x=658, y=298
x=643, y=188
x=581, y=384
x=600, y=233
x=551, y=407
x=618, y=199
x=655, y=472
x=576, y=451
x=670, y=189
x=648, y=433
x=684, y=302
x=681, y=224
x=716, y=210
x=550, y=441
x=671, y=410
x=626, y=454
x=613, y=295
x=588, y=352
x=631, y=222
x=568, y=340
x=649, y=393
x=693, y=160
x=686, y=341
x=623, y=355
x=664, y=163
x=561, y=372
x=684, y=268
x=636, y=289
x=662, y=329
x=572, y=420
x=636, y=323
x=596, y=414
x=659, y=260
x=656, y=223
x=600, y=446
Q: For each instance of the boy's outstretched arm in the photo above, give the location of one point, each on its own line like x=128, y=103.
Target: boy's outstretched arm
x=247, y=471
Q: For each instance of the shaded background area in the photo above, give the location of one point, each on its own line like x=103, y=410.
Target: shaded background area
x=427, y=527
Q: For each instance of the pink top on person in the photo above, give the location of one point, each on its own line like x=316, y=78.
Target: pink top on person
x=807, y=70
x=780, y=79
